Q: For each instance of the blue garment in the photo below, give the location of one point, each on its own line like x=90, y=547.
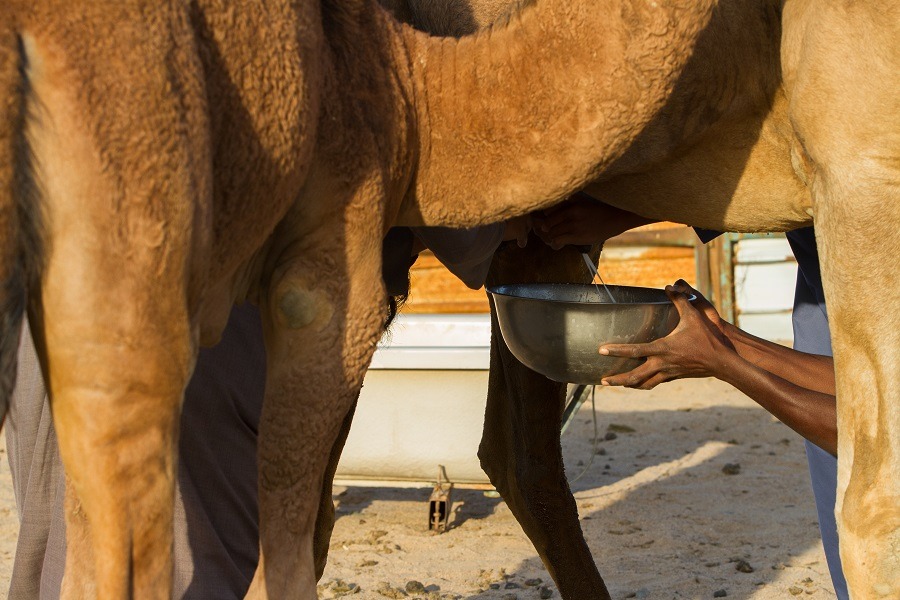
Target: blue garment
x=706, y=235
x=811, y=334
x=467, y=253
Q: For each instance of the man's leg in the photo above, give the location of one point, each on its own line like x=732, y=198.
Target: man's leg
x=811, y=334
x=38, y=482
x=823, y=474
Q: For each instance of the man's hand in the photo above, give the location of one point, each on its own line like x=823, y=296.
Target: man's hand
x=696, y=348
x=518, y=229
x=797, y=388
x=583, y=221
x=702, y=304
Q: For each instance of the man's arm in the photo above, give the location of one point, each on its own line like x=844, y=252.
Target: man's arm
x=810, y=371
x=796, y=387
x=811, y=413
x=583, y=220
x=805, y=370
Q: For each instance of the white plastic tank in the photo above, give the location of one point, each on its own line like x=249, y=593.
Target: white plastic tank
x=765, y=277
x=422, y=404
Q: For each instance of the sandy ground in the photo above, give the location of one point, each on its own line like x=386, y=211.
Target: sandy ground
x=661, y=516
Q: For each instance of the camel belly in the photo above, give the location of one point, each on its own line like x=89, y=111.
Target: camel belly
x=738, y=177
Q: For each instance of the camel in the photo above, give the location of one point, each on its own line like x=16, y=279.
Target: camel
x=520, y=406
x=132, y=140
x=277, y=144
x=757, y=160
x=520, y=450
x=787, y=127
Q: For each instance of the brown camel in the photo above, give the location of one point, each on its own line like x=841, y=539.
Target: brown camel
x=760, y=128
x=785, y=111
x=520, y=450
x=132, y=138
x=132, y=235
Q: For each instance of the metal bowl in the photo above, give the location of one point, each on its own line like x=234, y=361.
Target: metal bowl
x=557, y=328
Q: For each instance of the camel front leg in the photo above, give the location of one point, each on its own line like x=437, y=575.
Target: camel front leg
x=842, y=81
x=861, y=282
x=322, y=321
x=520, y=449
x=856, y=229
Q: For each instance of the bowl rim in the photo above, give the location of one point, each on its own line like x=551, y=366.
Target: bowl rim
x=493, y=291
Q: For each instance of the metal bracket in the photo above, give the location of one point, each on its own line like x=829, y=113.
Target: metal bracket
x=575, y=399
x=439, y=503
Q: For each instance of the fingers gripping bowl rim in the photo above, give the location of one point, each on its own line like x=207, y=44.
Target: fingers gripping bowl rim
x=557, y=328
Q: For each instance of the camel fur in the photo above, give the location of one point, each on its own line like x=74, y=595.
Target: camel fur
x=767, y=128
x=785, y=113
x=520, y=450
x=171, y=159
x=131, y=141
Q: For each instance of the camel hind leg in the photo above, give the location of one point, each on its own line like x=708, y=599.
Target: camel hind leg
x=520, y=449
x=325, y=518
x=123, y=175
x=20, y=247
x=843, y=72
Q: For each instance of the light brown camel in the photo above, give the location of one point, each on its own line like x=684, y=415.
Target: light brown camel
x=784, y=109
x=762, y=127
x=143, y=220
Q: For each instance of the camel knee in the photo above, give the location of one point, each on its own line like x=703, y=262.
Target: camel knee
x=869, y=525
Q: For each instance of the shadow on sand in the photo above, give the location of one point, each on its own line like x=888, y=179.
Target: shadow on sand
x=675, y=504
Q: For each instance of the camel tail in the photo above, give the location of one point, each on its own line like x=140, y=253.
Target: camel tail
x=19, y=247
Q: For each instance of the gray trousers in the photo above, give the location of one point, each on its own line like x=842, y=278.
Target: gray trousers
x=216, y=517
x=812, y=335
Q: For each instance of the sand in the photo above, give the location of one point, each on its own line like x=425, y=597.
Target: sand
x=700, y=493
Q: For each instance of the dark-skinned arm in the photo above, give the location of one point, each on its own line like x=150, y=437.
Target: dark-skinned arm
x=810, y=371
x=811, y=413
x=702, y=345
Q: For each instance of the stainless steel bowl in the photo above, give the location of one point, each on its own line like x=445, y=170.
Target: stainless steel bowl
x=557, y=328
